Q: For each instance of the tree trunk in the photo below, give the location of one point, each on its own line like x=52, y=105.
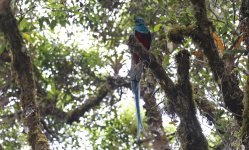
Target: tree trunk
x=179, y=96
x=189, y=131
x=153, y=113
x=244, y=29
x=226, y=80
x=21, y=66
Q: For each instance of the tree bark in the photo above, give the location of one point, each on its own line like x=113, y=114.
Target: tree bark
x=21, y=66
x=244, y=29
x=201, y=34
x=153, y=113
x=108, y=87
x=226, y=80
x=245, y=123
x=179, y=96
x=189, y=130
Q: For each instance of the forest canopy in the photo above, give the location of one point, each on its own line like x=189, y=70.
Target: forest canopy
x=65, y=84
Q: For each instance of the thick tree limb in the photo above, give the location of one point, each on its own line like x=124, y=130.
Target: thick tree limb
x=108, y=87
x=153, y=113
x=179, y=96
x=47, y=105
x=156, y=68
x=244, y=29
x=201, y=34
x=21, y=64
x=207, y=108
x=229, y=83
x=189, y=130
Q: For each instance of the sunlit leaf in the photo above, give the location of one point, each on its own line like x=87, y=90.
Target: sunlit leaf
x=157, y=27
x=26, y=36
x=23, y=24
x=166, y=61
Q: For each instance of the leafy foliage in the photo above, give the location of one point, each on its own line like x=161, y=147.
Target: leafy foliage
x=76, y=45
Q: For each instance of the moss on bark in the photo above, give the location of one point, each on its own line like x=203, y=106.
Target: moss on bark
x=153, y=113
x=245, y=123
x=189, y=131
x=201, y=34
x=21, y=67
x=179, y=96
x=244, y=29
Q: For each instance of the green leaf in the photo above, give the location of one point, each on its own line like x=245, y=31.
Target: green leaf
x=42, y=20
x=62, y=21
x=160, y=2
x=26, y=36
x=53, y=24
x=2, y=48
x=157, y=27
x=23, y=24
x=166, y=60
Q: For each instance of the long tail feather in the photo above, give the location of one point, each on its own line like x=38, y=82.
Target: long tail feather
x=136, y=92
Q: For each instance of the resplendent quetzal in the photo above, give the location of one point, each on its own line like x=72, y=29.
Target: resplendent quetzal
x=143, y=35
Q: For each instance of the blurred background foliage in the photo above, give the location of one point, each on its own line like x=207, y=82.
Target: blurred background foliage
x=75, y=45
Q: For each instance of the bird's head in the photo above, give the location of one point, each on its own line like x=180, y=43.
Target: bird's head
x=139, y=21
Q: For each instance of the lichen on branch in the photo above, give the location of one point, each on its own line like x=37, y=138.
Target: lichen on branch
x=201, y=33
x=22, y=68
x=179, y=96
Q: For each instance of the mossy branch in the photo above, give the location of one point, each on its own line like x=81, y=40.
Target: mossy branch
x=177, y=34
x=179, y=96
x=244, y=29
x=156, y=68
x=201, y=34
x=189, y=130
x=153, y=112
x=207, y=108
x=22, y=68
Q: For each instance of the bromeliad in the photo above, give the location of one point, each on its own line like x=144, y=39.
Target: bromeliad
x=143, y=35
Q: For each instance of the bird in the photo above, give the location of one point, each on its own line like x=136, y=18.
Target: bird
x=143, y=35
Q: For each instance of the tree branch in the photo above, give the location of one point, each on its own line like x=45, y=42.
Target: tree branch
x=226, y=80
x=179, y=96
x=189, y=130
x=1, y=147
x=201, y=35
x=244, y=29
x=108, y=87
x=156, y=68
x=153, y=113
x=207, y=108
x=21, y=64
